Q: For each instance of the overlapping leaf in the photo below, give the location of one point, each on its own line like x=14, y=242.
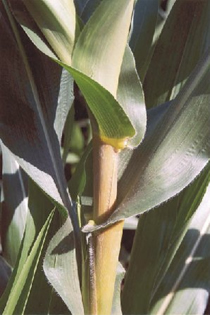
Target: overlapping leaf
x=96, y=65
x=172, y=154
x=31, y=92
x=183, y=41
x=143, y=28
x=20, y=290
x=185, y=288
x=14, y=206
x=158, y=237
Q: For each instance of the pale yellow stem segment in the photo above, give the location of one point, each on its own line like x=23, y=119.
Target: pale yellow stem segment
x=106, y=243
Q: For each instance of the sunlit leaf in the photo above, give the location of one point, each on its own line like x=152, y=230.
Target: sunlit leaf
x=172, y=154
x=158, y=237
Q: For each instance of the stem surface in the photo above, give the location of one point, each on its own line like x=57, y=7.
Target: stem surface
x=107, y=242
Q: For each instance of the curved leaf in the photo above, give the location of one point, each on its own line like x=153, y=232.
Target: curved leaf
x=58, y=265
x=101, y=59
x=172, y=155
x=188, y=276
x=20, y=291
x=159, y=235
x=95, y=76
x=14, y=207
x=56, y=20
x=32, y=84
x=183, y=41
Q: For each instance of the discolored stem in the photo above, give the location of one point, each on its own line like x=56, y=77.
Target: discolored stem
x=107, y=242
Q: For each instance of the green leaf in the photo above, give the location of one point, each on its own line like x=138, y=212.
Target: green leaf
x=68, y=128
x=172, y=154
x=131, y=97
x=116, y=304
x=40, y=206
x=114, y=125
x=14, y=206
x=56, y=20
x=80, y=5
x=183, y=41
x=21, y=289
x=58, y=265
x=159, y=235
x=89, y=9
x=5, y=273
x=186, y=286
x=101, y=59
x=95, y=77
x=33, y=83
x=143, y=28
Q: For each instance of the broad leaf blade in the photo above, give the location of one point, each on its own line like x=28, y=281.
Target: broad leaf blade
x=91, y=69
x=158, y=237
x=183, y=41
x=153, y=172
x=101, y=59
x=185, y=287
x=181, y=135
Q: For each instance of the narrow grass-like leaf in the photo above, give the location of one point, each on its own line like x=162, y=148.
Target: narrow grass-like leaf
x=118, y=125
x=131, y=97
x=40, y=206
x=56, y=20
x=183, y=41
x=143, y=28
x=14, y=207
x=186, y=286
x=116, y=304
x=5, y=272
x=27, y=94
x=155, y=173
x=101, y=59
x=60, y=269
x=21, y=289
x=158, y=237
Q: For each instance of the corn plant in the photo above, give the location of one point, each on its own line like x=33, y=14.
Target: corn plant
x=142, y=71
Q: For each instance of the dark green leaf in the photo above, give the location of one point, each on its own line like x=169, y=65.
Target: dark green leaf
x=21, y=288
x=158, y=237
x=59, y=267
x=14, y=206
x=183, y=41
x=143, y=27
